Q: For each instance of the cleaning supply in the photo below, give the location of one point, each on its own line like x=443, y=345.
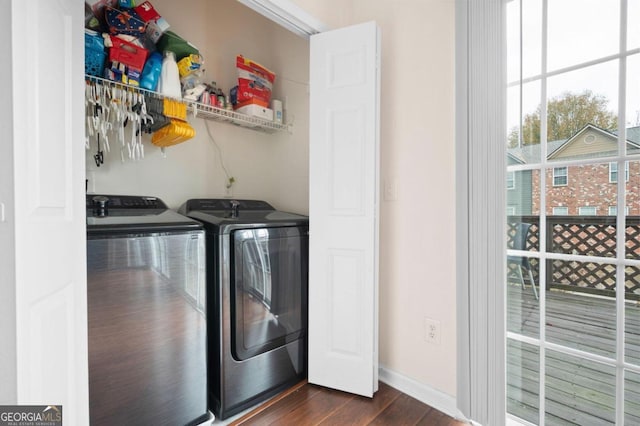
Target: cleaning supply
x=151, y=72
x=170, y=76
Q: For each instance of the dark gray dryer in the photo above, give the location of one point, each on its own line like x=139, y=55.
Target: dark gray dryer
x=257, y=274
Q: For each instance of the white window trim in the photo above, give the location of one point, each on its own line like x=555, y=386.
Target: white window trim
x=626, y=171
x=511, y=179
x=613, y=210
x=590, y=208
x=565, y=209
x=566, y=175
x=511, y=210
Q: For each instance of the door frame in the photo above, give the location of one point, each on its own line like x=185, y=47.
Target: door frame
x=288, y=15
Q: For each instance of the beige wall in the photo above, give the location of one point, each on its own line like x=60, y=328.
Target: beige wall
x=417, y=252
x=417, y=151
x=273, y=167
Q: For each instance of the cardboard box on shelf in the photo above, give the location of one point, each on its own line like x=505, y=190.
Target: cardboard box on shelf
x=252, y=101
x=147, y=12
x=156, y=24
x=156, y=28
x=256, y=111
x=122, y=74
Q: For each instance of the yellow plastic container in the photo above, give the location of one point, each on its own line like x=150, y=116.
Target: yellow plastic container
x=176, y=132
x=175, y=109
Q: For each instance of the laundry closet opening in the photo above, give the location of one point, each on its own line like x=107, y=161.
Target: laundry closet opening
x=269, y=166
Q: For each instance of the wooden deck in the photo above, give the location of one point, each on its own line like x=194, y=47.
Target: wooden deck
x=577, y=391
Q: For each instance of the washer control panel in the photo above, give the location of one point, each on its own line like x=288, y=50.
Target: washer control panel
x=95, y=201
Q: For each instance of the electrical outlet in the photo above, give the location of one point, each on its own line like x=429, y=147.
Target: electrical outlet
x=432, y=331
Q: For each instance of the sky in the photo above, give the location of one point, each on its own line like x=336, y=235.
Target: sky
x=579, y=31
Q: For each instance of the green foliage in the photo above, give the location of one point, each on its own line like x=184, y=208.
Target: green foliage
x=566, y=114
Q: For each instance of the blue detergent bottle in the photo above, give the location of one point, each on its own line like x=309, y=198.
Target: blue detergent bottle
x=151, y=72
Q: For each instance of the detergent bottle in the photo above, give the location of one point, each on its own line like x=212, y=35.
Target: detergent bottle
x=169, y=76
x=151, y=72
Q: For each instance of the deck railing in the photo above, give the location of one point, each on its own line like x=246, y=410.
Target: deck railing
x=582, y=235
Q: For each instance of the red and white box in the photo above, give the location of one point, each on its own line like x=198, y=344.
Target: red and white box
x=156, y=24
x=255, y=82
x=147, y=12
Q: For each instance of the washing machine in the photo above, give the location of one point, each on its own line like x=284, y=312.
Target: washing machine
x=257, y=280
x=146, y=303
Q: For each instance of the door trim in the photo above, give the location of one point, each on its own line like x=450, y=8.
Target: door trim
x=288, y=15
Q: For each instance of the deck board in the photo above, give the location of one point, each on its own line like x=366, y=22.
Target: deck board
x=577, y=391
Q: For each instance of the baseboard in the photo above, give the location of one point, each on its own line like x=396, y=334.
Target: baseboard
x=422, y=392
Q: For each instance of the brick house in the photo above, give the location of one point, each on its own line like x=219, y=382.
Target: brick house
x=588, y=190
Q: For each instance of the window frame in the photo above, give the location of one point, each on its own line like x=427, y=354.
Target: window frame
x=611, y=171
x=566, y=208
x=557, y=175
x=484, y=19
x=615, y=212
x=595, y=210
x=511, y=178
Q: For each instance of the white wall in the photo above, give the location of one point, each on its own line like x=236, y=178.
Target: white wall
x=417, y=237
x=273, y=167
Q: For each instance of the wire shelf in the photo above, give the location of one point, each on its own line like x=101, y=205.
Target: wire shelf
x=243, y=120
x=207, y=112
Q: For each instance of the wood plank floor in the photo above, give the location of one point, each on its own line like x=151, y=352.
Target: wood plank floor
x=577, y=391
x=307, y=404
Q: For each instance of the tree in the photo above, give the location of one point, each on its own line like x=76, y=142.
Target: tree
x=566, y=114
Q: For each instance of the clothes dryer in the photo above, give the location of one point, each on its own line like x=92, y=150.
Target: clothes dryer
x=257, y=276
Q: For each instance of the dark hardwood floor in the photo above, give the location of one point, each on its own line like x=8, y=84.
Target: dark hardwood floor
x=307, y=404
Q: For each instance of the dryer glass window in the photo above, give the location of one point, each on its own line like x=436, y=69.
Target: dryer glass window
x=270, y=281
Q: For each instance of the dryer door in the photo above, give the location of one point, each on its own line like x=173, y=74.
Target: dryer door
x=269, y=297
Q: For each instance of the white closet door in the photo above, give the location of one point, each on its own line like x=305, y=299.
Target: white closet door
x=343, y=209
x=50, y=256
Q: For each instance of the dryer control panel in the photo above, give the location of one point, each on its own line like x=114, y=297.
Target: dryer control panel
x=205, y=204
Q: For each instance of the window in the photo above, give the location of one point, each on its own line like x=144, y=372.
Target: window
x=511, y=210
x=561, y=211
x=560, y=176
x=511, y=180
x=557, y=64
x=587, y=211
x=613, y=210
x=613, y=172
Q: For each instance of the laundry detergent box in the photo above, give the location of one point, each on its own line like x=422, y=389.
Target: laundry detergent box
x=254, y=81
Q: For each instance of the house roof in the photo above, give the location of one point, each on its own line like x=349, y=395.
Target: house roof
x=532, y=153
x=555, y=149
